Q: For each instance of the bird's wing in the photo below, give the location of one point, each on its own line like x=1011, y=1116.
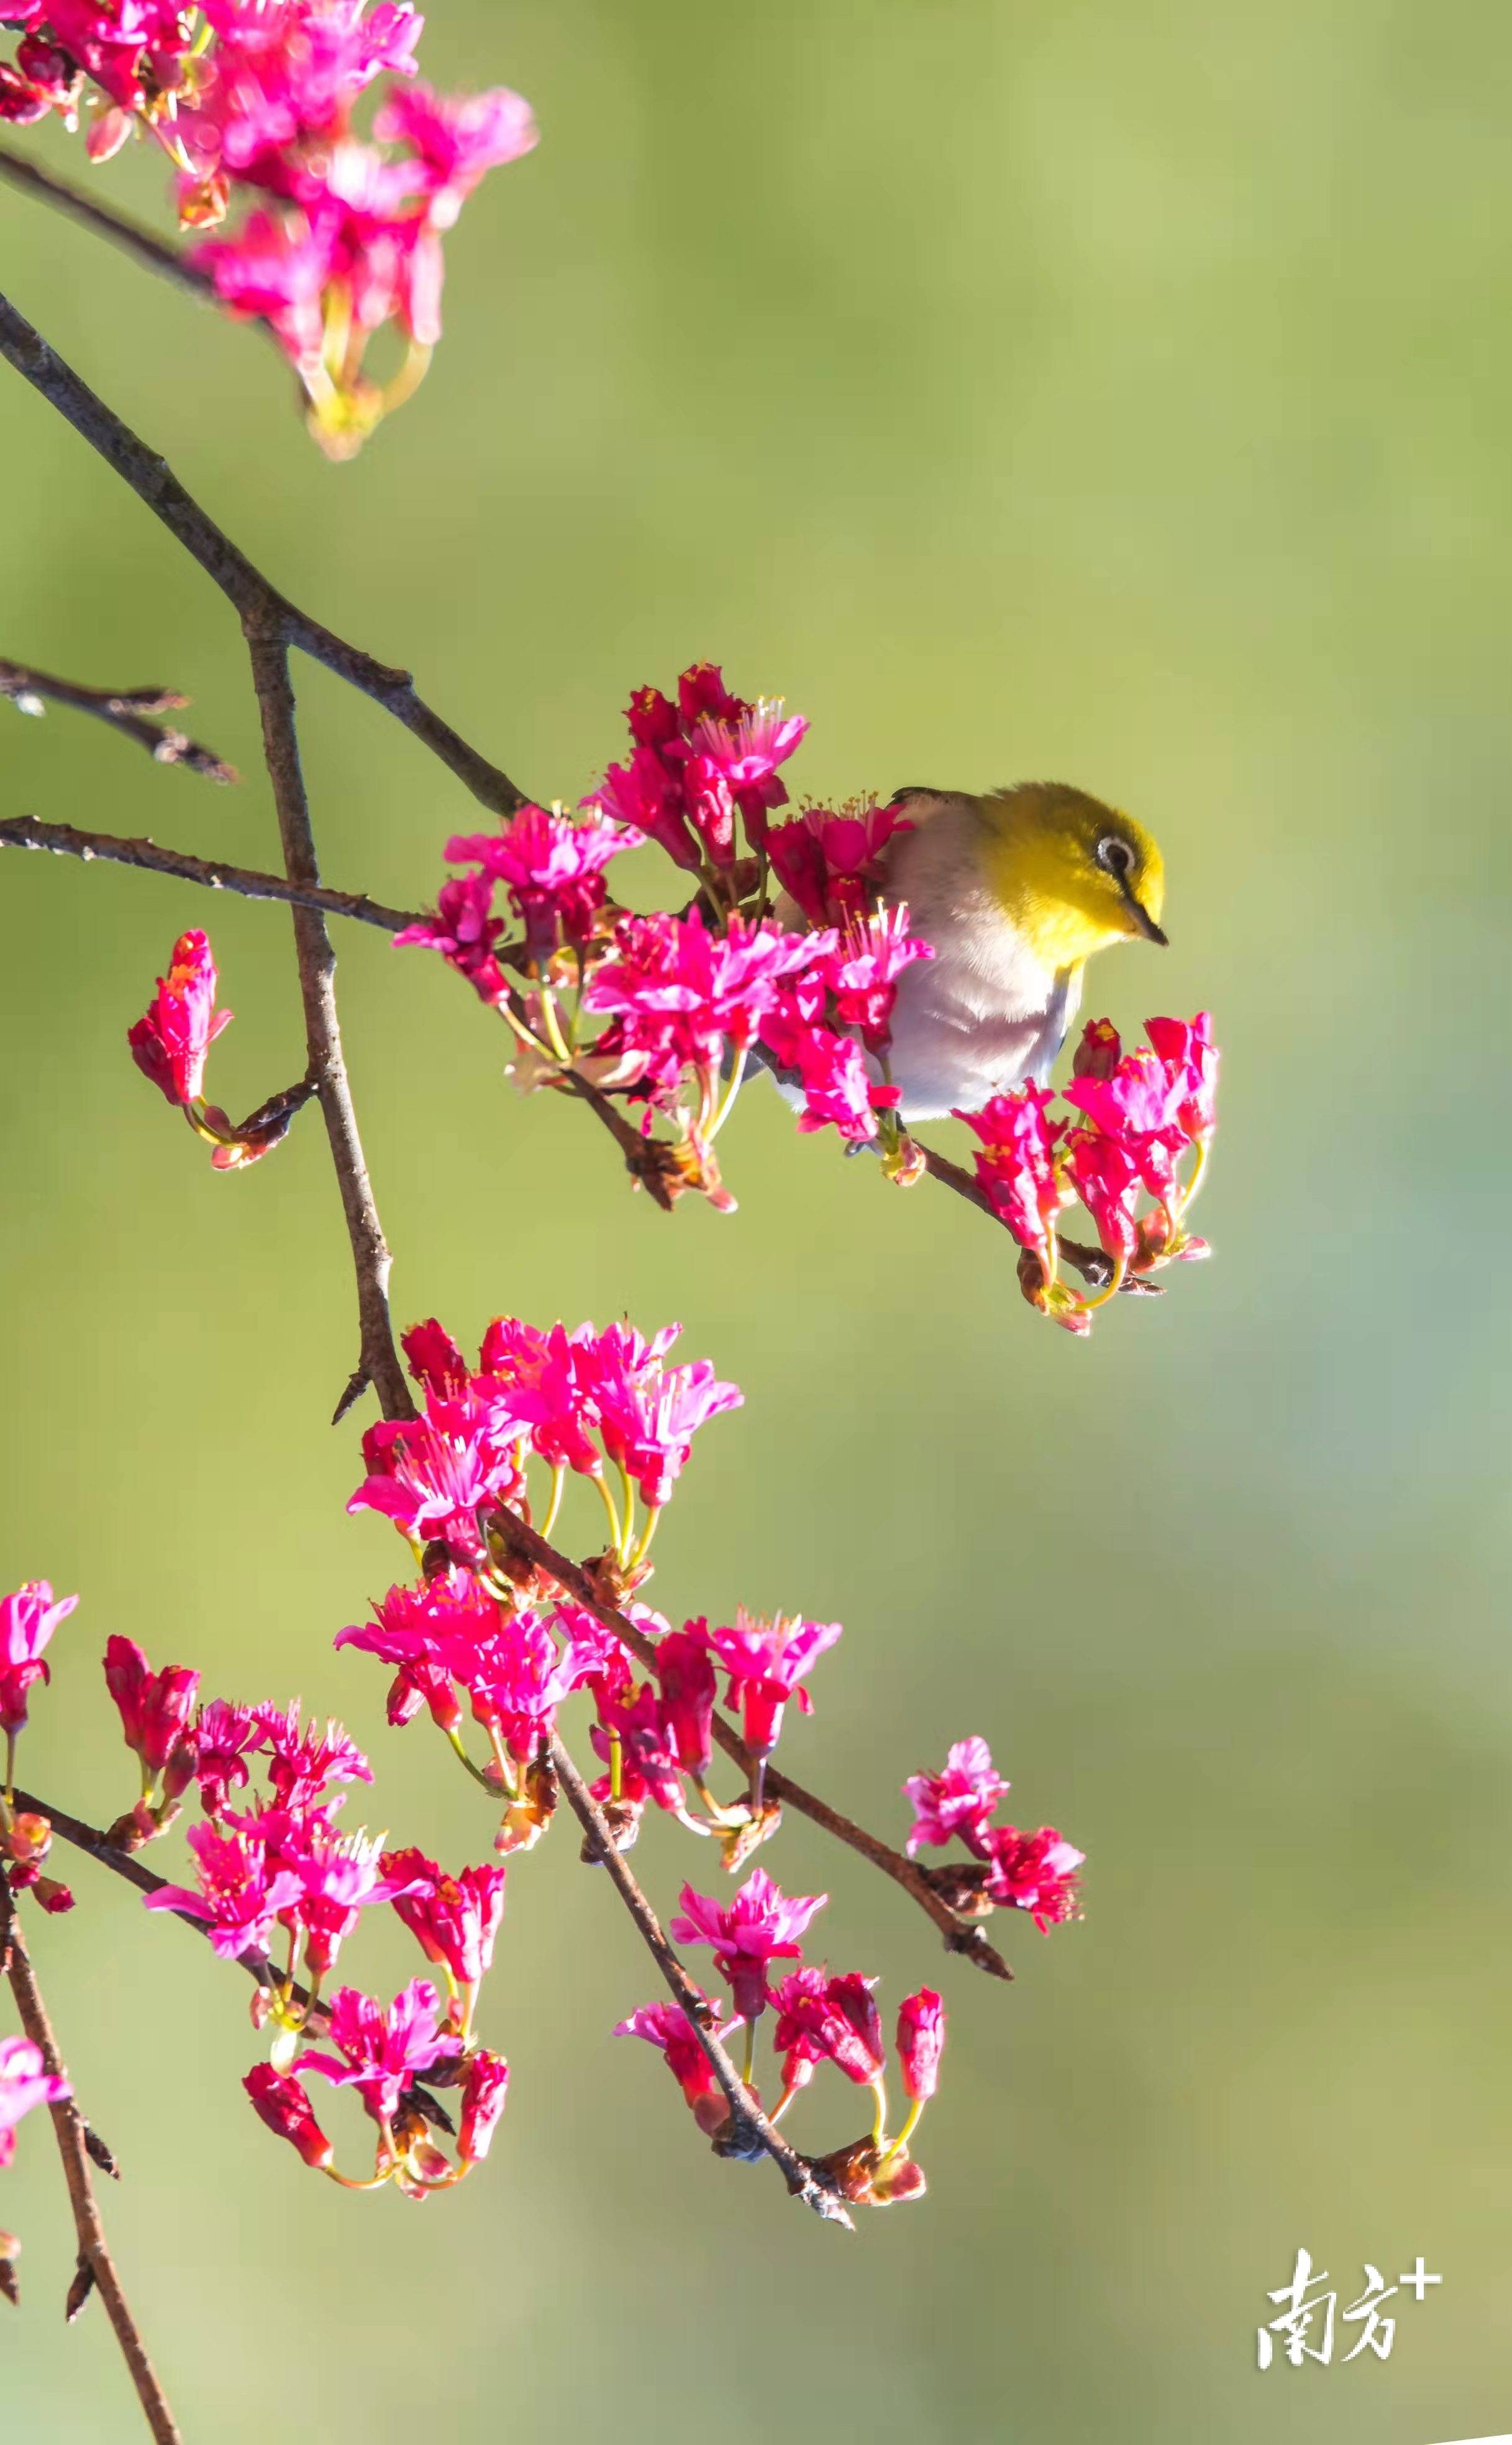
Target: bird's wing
x=1055, y=1026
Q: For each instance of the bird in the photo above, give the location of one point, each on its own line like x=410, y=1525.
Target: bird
x=1014, y=890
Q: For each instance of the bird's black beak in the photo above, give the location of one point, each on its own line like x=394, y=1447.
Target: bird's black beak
x=1143, y=919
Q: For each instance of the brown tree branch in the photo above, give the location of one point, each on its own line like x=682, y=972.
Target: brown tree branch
x=752, y=2131
x=255, y=597
x=127, y=710
x=379, y=1361
x=96, y=2268
x=961, y=1934
x=19, y=170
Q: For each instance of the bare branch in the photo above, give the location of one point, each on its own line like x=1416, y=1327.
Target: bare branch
x=19, y=170
x=255, y=597
x=378, y=1361
x=65, y=840
x=962, y=1936
x=750, y=2128
x=97, y=2270
x=128, y=710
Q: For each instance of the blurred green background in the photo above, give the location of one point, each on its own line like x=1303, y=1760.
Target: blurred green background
x=1118, y=394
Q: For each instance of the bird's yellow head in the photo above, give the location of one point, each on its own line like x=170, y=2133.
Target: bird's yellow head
x=1070, y=874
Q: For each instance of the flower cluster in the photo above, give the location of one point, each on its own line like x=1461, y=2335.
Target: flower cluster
x=683, y=1001
x=1013, y=1870
x=254, y=98
x=1136, y=1117
x=169, y=1044
x=818, y=2018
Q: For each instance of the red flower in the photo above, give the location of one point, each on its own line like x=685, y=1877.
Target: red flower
x=960, y=1801
x=1016, y=1165
x=666, y=2026
x=921, y=2042
x=465, y=930
x=413, y=1626
x=553, y=869
x=284, y=2106
x=1032, y=1872
x=1106, y=1177
x=647, y=1416
x=155, y=1707
x=453, y=1919
x=241, y=1889
x=484, y=2091
x=695, y=764
x=828, y=2019
x=831, y=860
x=687, y=1683
x=302, y=1762
x=222, y=1736
x=431, y=1476
x=170, y=1041
x=378, y=2053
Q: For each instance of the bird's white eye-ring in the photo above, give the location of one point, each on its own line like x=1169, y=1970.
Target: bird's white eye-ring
x=1115, y=857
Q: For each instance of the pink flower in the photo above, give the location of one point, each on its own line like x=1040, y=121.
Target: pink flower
x=1016, y=1165
x=25, y=2082
x=831, y=2020
x=1105, y=1174
x=302, y=1762
x=650, y=1767
x=1100, y=1051
x=767, y=1661
x=155, y=1707
x=960, y=1801
x=28, y=1621
x=694, y=764
x=544, y=1381
x=222, y=1736
x=378, y=2053
x=484, y=2091
x=760, y=1926
x=337, y=1878
x=1032, y=1872
x=1189, y=1053
x=276, y=268
x=413, y=1627
x=829, y=1067
x=686, y=1679
x=831, y=862
x=465, y=930
x=433, y=1475
x=648, y=1415
x=516, y=1677
x=180, y=1023
x=240, y=1891
x=667, y=2027
x=453, y=1919
x=553, y=869
x=873, y=954
x=284, y=2106
x=677, y=994
x=921, y=2042
x=456, y=138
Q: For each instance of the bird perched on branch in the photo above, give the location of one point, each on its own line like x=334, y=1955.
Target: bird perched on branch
x=1014, y=891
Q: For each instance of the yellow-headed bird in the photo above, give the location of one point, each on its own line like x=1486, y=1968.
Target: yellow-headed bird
x=1014, y=891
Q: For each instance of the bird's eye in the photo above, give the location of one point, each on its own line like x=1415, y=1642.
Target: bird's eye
x=1115, y=857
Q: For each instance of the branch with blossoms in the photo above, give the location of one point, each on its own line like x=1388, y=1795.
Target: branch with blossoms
x=783, y=952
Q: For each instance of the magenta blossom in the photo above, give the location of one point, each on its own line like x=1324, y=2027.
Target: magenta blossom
x=960, y=1801
x=822, y=2019
x=1104, y=1173
x=760, y=1926
x=458, y=137
x=677, y=994
x=920, y=2041
x=686, y=1679
x=1016, y=1166
x=1186, y=1048
x=28, y=1621
x=241, y=1890
x=433, y=1474
x=767, y=1662
x=170, y=1041
x=484, y=2091
x=1034, y=1871
x=465, y=930
x=337, y=1878
x=829, y=862
x=453, y=1919
x=553, y=869
x=516, y=1677
x=302, y=1762
x=414, y=1627
x=647, y=1416
x=223, y=1735
x=25, y=2082
x=862, y=975
x=666, y=2026
x=543, y=1381
x=283, y=2105
x=155, y=1707
x=696, y=763
x=379, y=2053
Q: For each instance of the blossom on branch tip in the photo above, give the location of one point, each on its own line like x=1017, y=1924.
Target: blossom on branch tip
x=696, y=763
x=465, y=931
x=959, y=1801
x=666, y=2026
x=171, y=1040
x=648, y=1415
x=761, y=1925
x=767, y=1661
x=25, y=2082
x=1032, y=1872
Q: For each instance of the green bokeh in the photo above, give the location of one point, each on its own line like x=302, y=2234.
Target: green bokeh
x=1108, y=393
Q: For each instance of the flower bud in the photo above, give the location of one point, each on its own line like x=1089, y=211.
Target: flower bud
x=920, y=2040
x=483, y=2095
x=283, y=2105
x=155, y=1707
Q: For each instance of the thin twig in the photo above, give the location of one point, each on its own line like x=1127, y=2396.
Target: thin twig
x=254, y=596
x=213, y=874
x=128, y=710
x=17, y=170
x=377, y=1362
x=96, y=2265
x=751, y=2130
x=961, y=1935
